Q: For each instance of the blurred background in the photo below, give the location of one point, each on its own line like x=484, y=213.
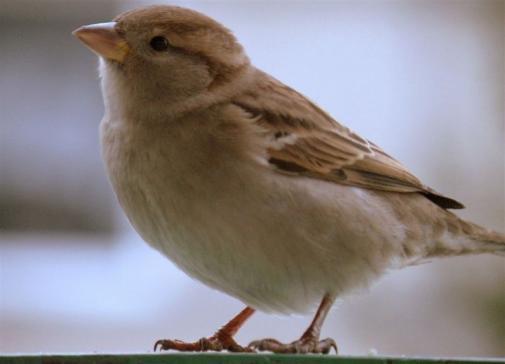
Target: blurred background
x=423, y=79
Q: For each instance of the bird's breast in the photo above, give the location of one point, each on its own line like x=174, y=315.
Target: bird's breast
x=271, y=240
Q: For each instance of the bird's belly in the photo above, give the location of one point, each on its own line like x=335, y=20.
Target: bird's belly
x=275, y=242
x=272, y=255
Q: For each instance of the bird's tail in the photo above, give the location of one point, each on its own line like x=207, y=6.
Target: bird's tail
x=464, y=237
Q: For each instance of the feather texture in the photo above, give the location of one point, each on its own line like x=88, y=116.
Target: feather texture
x=305, y=140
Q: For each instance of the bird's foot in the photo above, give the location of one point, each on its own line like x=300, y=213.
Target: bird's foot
x=217, y=342
x=305, y=345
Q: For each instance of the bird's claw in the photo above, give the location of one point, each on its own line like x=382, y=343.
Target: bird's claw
x=301, y=346
x=213, y=343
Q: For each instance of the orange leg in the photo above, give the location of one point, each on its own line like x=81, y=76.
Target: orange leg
x=221, y=340
x=308, y=342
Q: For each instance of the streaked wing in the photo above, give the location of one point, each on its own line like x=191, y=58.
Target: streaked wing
x=303, y=139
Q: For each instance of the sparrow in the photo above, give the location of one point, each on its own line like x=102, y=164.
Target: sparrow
x=248, y=186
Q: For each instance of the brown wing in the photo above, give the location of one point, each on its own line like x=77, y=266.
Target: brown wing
x=304, y=140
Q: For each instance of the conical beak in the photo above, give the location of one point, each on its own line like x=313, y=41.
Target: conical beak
x=104, y=40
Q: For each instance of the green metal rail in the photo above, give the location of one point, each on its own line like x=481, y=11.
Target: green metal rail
x=228, y=359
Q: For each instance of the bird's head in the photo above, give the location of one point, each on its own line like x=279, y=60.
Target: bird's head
x=164, y=52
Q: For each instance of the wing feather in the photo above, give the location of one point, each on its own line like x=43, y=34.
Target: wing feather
x=307, y=141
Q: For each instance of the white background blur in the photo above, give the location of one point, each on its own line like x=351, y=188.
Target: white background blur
x=423, y=79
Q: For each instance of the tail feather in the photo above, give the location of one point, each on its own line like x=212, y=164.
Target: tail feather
x=488, y=241
x=464, y=237
x=491, y=241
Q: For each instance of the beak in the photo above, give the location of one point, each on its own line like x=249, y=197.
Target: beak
x=104, y=40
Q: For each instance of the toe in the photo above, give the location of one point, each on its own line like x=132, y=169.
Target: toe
x=158, y=343
x=163, y=344
x=302, y=346
x=326, y=345
x=178, y=345
x=272, y=345
x=212, y=343
x=264, y=345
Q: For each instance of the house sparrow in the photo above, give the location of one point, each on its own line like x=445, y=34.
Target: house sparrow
x=248, y=186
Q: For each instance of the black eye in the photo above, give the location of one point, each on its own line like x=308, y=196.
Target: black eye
x=159, y=44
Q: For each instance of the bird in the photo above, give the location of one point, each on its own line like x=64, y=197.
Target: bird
x=248, y=186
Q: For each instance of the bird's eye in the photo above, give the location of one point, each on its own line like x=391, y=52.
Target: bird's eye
x=159, y=44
